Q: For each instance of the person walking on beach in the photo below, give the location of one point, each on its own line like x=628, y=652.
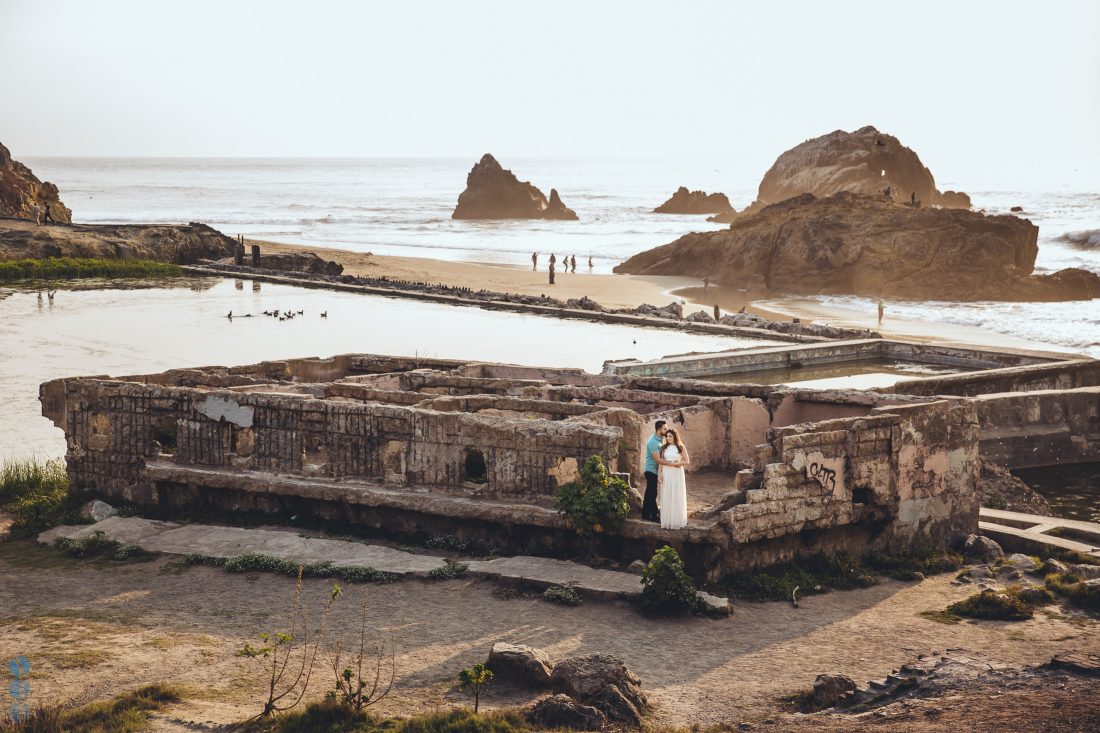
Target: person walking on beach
x=673, y=504
x=534, y=261
x=551, y=269
x=37, y=214
x=46, y=215
x=650, y=468
x=573, y=263
x=590, y=263
x=717, y=312
x=553, y=259
x=881, y=309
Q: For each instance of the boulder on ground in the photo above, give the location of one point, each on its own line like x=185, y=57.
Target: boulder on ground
x=20, y=189
x=605, y=682
x=584, y=303
x=829, y=689
x=562, y=711
x=97, y=510
x=850, y=244
x=695, y=202
x=700, y=317
x=1085, y=572
x=981, y=549
x=715, y=606
x=1021, y=563
x=520, y=663
x=672, y=310
x=492, y=192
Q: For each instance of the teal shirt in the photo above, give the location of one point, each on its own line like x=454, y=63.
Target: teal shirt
x=652, y=447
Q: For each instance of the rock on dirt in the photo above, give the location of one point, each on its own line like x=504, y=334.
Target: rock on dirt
x=520, y=663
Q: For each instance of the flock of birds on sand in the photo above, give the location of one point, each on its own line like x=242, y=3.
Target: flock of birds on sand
x=281, y=315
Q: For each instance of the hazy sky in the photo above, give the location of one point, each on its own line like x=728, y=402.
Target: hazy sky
x=986, y=92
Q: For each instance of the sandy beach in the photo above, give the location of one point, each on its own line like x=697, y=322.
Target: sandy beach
x=628, y=291
x=612, y=291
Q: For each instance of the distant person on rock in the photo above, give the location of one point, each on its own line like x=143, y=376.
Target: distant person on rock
x=553, y=259
x=881, y=310
x=46, y=215
x=534, y=261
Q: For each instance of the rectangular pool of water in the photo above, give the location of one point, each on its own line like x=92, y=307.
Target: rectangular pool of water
x=852, y=374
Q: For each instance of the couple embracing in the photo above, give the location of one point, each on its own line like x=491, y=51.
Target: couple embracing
x=665, y=458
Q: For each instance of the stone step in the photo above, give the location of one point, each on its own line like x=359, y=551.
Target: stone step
x=225, y=542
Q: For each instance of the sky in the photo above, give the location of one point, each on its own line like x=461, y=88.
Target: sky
x=1000, y=93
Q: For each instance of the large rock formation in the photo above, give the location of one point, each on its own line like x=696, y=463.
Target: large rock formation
x=495, y=193
x=866, y=245
x=695, y=202
x=179, y=244
x=20, y=189
x=865, y=161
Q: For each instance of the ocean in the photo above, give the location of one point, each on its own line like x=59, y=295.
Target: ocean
x=403, y=207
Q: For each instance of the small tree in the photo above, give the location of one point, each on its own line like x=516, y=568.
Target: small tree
x=598, y=502
x=666, y=586
x=292, y=654
x=357, y=688
x=475, y=678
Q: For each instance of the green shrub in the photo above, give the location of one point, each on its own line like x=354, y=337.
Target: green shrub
x=1074, y=590
x=811, y=575
x=194, y=558
x=598, y=502
x=37, y=492
x=126, y=713
x=448, y=542
x=563, y=594
x=448, y=571
x=98, y=545
x=65, y=268
x=903, y=565
x=990, y=604
x=666, y=586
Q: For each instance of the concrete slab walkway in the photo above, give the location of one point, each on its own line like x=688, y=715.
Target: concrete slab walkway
x=224, y=542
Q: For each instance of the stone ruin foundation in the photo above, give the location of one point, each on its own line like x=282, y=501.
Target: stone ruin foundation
x=405, y=446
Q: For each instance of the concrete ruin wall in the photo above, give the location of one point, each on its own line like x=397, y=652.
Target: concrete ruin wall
x=1071, y=374
x=1040, y=428
x=112, y=428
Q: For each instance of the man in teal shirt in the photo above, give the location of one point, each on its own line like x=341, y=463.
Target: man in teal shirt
x=652, y=452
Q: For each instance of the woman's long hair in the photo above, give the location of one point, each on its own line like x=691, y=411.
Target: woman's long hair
x=675, y=439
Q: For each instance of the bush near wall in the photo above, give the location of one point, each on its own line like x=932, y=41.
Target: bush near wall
x=598, y=502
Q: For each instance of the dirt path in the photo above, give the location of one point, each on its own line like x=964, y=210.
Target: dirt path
x=92, y=630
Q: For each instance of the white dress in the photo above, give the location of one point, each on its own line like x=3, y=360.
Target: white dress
x=673, y=502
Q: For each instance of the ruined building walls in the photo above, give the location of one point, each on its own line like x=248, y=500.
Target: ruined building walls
x=1040, y=428
x=113, y=428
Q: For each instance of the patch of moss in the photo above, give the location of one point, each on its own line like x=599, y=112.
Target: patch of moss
x=562, y=594
x=813, y=574
x=993, y=605
x=940, y=617
x=1075, y=590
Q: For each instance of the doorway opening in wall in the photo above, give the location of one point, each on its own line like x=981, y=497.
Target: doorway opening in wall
x=861, y=495
x=473, y=467
x=164, y=434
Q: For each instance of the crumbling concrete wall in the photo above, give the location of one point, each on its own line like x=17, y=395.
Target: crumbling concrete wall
x=112, y=428
x=1070, y=374
x=1040, y=428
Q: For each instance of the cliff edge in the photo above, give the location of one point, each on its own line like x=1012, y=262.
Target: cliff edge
x=20, y=189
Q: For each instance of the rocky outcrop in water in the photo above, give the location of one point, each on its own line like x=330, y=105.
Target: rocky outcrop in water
x=865, y=161
x=695, y=202
x=178, y=244
x=492, y=192
x=866, y=245
x=20, y=189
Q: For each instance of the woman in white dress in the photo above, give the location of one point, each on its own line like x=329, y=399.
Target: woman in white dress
x=673, y=502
